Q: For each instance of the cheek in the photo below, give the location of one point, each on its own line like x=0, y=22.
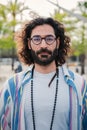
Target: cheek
x=35, y=47
x=52, y=47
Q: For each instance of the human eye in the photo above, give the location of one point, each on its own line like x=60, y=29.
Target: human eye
x=36, y=39
x=49, y=38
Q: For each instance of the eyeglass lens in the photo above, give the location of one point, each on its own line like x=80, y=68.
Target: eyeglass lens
x=49, y=39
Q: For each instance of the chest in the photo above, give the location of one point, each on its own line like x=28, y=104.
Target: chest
x=43, y=98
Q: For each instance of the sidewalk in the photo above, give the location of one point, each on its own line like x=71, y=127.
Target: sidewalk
x=5, y=73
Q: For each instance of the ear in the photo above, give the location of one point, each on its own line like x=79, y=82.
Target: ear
x=29, y=45
x=58, y=42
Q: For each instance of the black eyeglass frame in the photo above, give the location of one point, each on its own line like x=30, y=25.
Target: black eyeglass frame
x=45, y=38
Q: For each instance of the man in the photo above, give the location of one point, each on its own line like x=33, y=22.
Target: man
x=47, y=96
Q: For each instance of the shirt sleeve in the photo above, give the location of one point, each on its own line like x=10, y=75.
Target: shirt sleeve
x=84, y=106
x=5, y=108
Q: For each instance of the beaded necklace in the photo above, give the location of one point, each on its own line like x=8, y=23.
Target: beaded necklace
x=55, y=99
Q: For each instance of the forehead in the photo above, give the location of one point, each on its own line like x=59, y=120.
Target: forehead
x=43, y=30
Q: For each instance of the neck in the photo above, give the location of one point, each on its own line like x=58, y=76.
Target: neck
x=45, y=69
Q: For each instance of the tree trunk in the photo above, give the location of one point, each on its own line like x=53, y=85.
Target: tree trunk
x=82, y=61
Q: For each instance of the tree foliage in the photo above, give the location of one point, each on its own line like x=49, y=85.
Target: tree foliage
x=80, y=43
x=9, y=21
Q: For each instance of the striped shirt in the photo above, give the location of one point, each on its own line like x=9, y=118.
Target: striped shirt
x=12, y=101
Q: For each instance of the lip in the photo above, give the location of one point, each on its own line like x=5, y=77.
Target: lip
x=44, y=53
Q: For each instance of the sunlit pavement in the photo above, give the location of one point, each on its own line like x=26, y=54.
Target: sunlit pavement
x=6, y=72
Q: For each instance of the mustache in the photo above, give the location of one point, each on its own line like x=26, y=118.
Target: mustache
x=44, y=50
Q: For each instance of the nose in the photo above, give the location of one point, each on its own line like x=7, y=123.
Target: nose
x=43, y=43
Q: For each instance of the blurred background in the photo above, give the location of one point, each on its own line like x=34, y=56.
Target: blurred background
x=72, y=13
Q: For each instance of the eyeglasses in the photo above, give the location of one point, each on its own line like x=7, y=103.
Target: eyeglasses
x=37, y=39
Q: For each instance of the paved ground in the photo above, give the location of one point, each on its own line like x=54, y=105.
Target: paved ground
x=5, y=73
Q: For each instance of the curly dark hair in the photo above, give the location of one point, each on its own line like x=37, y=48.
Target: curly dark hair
x=22, y=36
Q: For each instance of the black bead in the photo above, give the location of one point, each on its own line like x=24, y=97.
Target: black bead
x=55, y=100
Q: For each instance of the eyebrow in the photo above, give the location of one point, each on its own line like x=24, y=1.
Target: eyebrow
x=44, y=35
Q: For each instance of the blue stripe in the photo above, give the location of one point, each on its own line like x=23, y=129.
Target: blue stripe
x=6, y=95
x=17, y=104
x=12, y=88
x=71, y=84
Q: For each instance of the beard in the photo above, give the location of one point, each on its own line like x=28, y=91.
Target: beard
x=44, y=57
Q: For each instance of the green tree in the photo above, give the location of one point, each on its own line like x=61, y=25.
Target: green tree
x=80, y=44
x=9, y=21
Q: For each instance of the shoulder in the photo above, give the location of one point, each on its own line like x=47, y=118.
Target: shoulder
x=75, y=77
x=20, y=77
x=15, y=81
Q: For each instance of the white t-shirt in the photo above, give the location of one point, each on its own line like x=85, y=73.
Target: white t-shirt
x=44, y=101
